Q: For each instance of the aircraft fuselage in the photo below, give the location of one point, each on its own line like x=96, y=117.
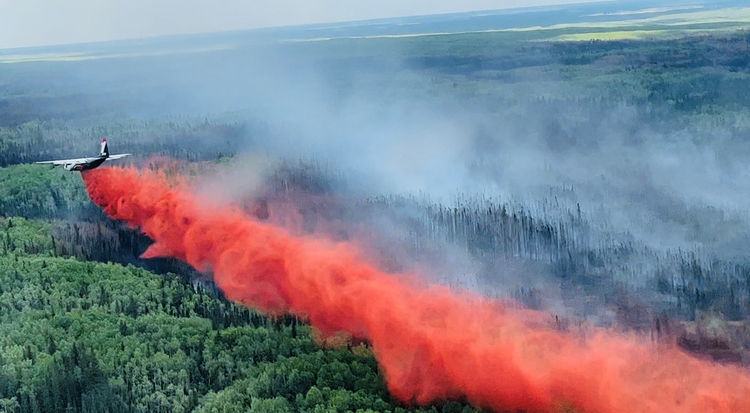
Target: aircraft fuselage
x=83, y=166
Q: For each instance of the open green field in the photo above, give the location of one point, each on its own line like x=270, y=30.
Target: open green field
x=648, y=23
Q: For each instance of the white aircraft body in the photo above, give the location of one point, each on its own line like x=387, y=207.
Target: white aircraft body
x=82, y=164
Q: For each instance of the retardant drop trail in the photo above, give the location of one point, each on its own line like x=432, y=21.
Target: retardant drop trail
x=432, y=344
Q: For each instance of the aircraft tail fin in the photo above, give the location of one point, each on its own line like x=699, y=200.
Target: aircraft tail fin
x=105, y=149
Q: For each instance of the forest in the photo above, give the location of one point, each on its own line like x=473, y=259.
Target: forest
x=85, y=336
x=86, y=325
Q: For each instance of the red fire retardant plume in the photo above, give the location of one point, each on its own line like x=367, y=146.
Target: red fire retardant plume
x=432, y=344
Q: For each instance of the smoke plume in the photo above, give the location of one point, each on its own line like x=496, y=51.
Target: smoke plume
x=433, y=344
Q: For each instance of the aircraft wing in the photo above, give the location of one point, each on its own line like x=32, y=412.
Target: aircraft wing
x=122, y=155
x=68, y=161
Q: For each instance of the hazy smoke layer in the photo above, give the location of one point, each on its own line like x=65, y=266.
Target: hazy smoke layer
x=393, y=124
x=670, y=180
x=432, y=344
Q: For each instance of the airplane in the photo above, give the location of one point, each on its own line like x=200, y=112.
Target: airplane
x=82, y=164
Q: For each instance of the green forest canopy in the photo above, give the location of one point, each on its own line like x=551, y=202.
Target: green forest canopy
x=84, y=336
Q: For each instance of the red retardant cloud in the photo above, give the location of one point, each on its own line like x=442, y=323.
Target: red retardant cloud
x=433, y=344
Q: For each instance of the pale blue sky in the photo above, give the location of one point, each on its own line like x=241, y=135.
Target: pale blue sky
x=44, y=22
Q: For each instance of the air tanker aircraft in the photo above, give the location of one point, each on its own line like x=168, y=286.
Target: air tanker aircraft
x=83, y=164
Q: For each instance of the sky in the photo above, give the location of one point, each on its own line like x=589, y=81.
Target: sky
x=46, y=22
